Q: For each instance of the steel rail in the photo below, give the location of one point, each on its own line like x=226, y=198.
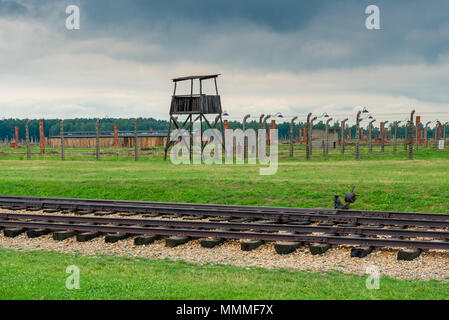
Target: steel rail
x=407, y=233
x=231, y=235
x=288, y=217
x=198, y=209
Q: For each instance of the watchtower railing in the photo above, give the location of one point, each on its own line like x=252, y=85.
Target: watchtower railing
x=198, y=103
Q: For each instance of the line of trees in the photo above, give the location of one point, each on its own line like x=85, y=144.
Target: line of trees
x=52, y=127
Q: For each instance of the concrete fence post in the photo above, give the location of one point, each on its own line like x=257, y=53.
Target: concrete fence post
x=245, y=138
x=342, y=143
x=357, y=136
x=326, y=148
x=383, y=132
x=370, y=136
x=308, y=138
x=406, y=134
x=292, y=124
x=444, y=133
x=417, y=131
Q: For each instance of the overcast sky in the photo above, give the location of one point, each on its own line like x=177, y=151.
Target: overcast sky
x=286, y=55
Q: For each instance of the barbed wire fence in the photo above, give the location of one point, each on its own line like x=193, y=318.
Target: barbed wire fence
x=324, y=137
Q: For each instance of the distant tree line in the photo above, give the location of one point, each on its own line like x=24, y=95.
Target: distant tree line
x=52, y=127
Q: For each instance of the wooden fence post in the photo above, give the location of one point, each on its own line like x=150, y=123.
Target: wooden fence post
x=42, y=136
x=27, y=133
x=410, y=149
x=308, y=142
x=326, y=149
x=136, y=142
x=62, y=141
x=97, y=140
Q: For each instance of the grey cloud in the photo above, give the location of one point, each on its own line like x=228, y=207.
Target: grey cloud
x=287, y=35
x=11, y=8
x=134, y=47
x=283, y=15
x=279, y=35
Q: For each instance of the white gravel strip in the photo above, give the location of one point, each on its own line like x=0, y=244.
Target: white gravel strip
x=430, y=265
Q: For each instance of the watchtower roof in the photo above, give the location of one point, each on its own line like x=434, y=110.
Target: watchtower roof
x=202, y=77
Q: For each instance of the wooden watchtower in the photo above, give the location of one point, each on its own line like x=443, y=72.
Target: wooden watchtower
x=195, y=106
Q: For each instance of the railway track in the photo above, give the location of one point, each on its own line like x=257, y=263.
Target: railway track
x=141, y=207
x=326, y=227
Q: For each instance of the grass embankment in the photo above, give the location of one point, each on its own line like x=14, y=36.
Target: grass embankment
x=42, y=275
x=421, y=185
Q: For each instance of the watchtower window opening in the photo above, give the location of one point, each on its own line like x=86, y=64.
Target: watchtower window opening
x=183, y=88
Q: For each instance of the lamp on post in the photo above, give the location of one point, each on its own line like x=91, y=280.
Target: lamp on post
x=225, y=124
x=257, y=133
x=245, y=139
x=245, y=119
x=268, y=116
x=264, y=125
x=357, y=131
x=261, y=120
x=311, y=134
x=276, y=115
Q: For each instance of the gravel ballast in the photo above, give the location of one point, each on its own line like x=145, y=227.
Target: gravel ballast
x=430, y=265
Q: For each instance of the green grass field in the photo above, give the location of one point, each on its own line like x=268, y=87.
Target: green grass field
x=107, y=277
x=420, y=185
x=391, y=184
